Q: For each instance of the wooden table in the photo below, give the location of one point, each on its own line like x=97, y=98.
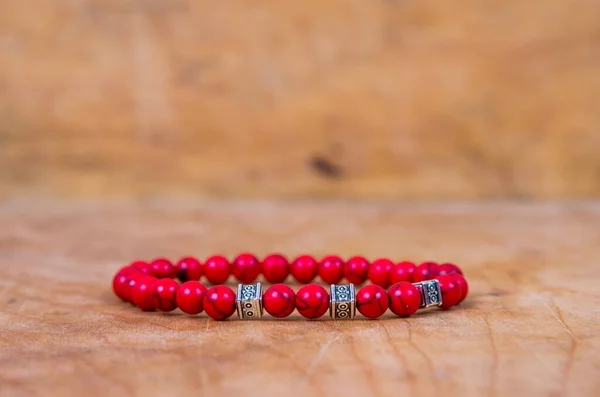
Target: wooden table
x=530, y=327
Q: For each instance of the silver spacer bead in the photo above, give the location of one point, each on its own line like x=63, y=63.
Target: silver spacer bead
x=249, y=301
x=342, y=302
x=431, y=294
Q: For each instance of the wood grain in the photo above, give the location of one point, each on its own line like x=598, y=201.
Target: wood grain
x=327, y=98
x=531, y=326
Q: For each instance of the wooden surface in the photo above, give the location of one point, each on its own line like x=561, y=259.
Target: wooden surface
x=531, y=326
x=327, y=98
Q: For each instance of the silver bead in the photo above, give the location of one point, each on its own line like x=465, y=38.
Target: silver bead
x=431, y=294
x=249, y=301
x=342, y=302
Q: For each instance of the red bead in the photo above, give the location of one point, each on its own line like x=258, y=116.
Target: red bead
x=279, y=300
x=122, y=280
x=190, y=297
x=405, y=299
x=189, y=268
x=118, y=285
x=372, y=301
x=216, y=269
x=163, y=268
x=219, y=302
x=134, y=279
x=304, y=269
x=463, y=285
x=143, y=266
x=141, y=293
x=449, y=268
x=164, y=292
x=312, y=301
x=356, y=270
x=403, y=271
x=246, y=268
x=451, y=292
x=275, y=268
x=127, y=270
x=331, y=269
x=426, y=271
x=379, y=272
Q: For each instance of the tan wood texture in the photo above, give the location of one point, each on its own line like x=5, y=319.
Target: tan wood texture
x=531, y=326
x=319, y=98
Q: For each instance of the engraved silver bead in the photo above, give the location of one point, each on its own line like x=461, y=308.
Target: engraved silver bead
x=342, y=302
x=431, y=293
x=249, y=301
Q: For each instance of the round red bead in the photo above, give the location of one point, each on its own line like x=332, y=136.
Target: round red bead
x=141, y=293
x=449, y=268
x=356, y=269
x=331, y=269
x=372, y=301
x=189, y=268
x=246, y=268
x=143, y=266
x=275, y=268
x=379, y=272
x=451, y=292
x=120, y=282
x=164, y=292
x=216, y=269
x=463, y=285
x=190, y=297
x=405, y=299
x=304, y=269
x=279, y=300
x=426, y=271
x=219, y=302
x=312, y=301
x=118, y=285
x=403, y=271
x=163, y=268
x=127, y=270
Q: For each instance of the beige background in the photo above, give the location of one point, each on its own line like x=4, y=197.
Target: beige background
x=384, y=99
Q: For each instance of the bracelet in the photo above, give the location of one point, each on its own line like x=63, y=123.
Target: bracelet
x=151, y=286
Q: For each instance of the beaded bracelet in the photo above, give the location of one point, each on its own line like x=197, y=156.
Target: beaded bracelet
x=151, y=286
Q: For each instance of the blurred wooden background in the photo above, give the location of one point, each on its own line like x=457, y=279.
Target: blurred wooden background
x=380, y=99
